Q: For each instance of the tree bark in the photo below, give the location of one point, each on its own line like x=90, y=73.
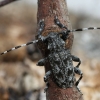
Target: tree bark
x=47, y=10
x=5, y=2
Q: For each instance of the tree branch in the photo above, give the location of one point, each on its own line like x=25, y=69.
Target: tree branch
x=5, y=2
x=47, y=10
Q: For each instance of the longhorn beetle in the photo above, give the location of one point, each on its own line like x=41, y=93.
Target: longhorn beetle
x=59, y=57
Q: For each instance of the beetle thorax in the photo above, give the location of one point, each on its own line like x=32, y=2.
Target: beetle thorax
x=55, y=42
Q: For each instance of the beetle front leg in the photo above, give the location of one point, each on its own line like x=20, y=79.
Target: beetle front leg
x=41, y=27
x=76, y=59
x=57, y=21
x=40, y=30
x=64, y=33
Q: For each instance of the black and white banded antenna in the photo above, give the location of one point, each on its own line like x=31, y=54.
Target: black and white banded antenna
x=84, y=29
x=32, y=42
x=41, y=25
x=57, y=22
x=17, y=47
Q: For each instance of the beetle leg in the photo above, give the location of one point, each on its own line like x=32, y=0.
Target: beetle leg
x=79, y=90
x=79, y=72
x=76, y=69
x=41, y=27
x=64, y=33
x=47, y=86
x=47, y=75
x=76, y=59
x=40, y=30
x=41, y=62
x=57, y=21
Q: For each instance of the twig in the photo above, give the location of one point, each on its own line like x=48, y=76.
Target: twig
x=47, y=10
x=5, y=2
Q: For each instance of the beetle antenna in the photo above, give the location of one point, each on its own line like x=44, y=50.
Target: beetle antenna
x=84, y=29
x=17, y=47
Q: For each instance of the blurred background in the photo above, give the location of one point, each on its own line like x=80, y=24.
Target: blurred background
x=20, y=78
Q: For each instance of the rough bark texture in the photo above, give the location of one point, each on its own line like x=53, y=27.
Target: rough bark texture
x=47, y=10
x=5, y=2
